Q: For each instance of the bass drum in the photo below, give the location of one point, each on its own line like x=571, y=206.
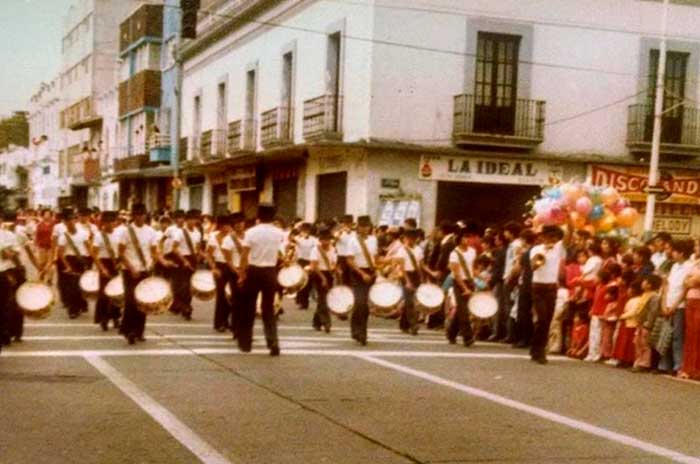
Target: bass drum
x=483, y=305
x=153, y=296
x=292, y=279
x=340, y=300
x=429, y=298
x=203, y=285
x=114, y=290
x=35, y=299
x=385, y=298
x=90, y=284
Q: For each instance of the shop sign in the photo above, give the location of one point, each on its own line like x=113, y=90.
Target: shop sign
x=487, y=170
x=243, y=179
x=633, y=181
x=674, y=225
x=391, y=183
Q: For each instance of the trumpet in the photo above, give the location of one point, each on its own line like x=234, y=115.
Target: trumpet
x=538, y=260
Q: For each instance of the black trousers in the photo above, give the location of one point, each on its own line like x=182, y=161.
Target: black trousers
x=544, y=298
x=460, y=323
x=182, y=288
x=345, y=272
x=11, y=317
x=236, y=302
x=259, y=280
x=134, y=322
x=105, y=309
x=360, y=313
x=74, y=301
x=222, y=308
x=322, y=316
x=409, y=315
x=523, y=324
x=304, y=294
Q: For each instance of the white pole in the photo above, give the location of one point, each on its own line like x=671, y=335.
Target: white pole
x=656, y=137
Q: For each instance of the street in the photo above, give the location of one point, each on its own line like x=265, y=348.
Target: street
x=71, y=393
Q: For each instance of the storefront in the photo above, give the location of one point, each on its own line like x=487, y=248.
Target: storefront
x=219, y=194
x=243, y=190
x=677, y=211
x=285, y=189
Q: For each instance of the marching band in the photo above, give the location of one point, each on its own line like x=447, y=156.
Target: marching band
x=132, y=267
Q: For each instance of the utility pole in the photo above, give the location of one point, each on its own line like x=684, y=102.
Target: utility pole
x=177, y=105
x=656, y=137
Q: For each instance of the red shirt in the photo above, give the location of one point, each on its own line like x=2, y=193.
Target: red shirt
x=43, y=234
x=600, y=298
x=579, y=335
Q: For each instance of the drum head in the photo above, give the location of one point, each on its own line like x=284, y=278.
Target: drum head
x=152, y=290
x=115, y=287
x=340, y=300
x=430, y=296
x=90, y=281
x=203, y=281
x=483, y=305
x=34, y=298
x=385, y=294
x=290, y=276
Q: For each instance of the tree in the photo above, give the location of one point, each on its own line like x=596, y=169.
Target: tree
x=14, y=130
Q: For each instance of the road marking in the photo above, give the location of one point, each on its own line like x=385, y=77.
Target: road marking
x=186, y=436
x=539, y=412
x=260, y=351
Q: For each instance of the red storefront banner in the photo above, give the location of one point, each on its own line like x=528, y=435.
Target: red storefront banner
x=630, y=181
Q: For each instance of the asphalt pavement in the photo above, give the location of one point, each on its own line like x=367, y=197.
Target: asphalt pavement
x=70, y=393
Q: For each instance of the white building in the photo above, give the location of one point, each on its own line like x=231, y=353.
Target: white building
x=401, y=108
x=45, y=136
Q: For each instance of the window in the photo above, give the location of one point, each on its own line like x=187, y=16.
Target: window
x=496, y=83
x=333, y=76
x=287, y=93
x=674, y=95
x=46, y=170
x=221, y=106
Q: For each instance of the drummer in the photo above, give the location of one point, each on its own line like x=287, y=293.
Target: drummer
x=137, y=243
x=106, y=257
x=362, y=261
x=11, y=318
x=323, y=262
x=346, y=237
x=218, y=255
x=258, y=274
x=461, y=264
x=305, y=242
x=186, y=246
x=409, y=257
x=170, y=230
x=238, y=238
x=74, y=255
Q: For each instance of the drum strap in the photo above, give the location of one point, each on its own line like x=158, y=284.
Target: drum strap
x=237, y=242
x=365, y=252
x=108, y=244
x=188, y=240
x=137, y=246
x=73, y=247
x=325, y=259
x=414, y=262
x=463, y=264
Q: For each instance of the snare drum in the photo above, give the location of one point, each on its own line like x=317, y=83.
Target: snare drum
x=384, y=298
x=35, y=299
x=203, y=285
x=429, y=298
x=483, y=305
x=90, y=284
x=114, y=290
x=340, y=300
x=292, y=278
x=153, y=295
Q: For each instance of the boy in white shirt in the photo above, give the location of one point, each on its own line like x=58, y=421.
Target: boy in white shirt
x=322, y=265
x=461, y=263
x=409, y=258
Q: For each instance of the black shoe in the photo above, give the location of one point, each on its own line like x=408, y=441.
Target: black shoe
x=104, y=325
x=521, y=345
x=469, y=342
x=317, y=328
x=73, y=315
x=221, y=329
x=187, y=315
x=275, y=350
x=131, y=338
x=452, y=341
x=327, y=328
x=141, y=338
x=540, y=360
x=414, y=331
x=492, y=338
x=18, y=339
x=84, y=310
x=116, y=324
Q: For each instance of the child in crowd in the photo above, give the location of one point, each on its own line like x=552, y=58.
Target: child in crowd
x=598, y=307
x=648, y=310
x=613, y=309
x=578, y=347
x=623, y=354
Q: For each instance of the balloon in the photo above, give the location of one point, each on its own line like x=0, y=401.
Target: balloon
x=584, y=206
x=558, y=216
x=596, y=197
x=577, y=219
x=589, y=228
x=597, y=212
x=627, y=217
x=553, y=192
x=607, y=223
x=609, y=196
x=618, y=205
x=572, y=192
x=543, y=205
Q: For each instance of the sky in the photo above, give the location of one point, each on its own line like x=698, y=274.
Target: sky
x=30, y=48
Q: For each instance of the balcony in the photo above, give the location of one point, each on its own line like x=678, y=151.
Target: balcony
x=146, y=23
x=141, y=91
x=241, y=137
x=160, y=148
x=133, y=163
x=517, y=127
x=680, y=130
x=80, y=115
x=323, y=118
x=276, y=127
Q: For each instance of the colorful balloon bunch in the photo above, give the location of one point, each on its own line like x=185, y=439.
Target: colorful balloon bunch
x=598, y=209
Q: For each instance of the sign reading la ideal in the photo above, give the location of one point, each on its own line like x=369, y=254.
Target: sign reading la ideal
x=487, y=170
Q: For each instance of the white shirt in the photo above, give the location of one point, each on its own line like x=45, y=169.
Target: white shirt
x=264, y=242
x=7, y=240
x=58, y=230
x=402, y=254
x=344, y=244
x=469, y=258
x=195, y=238
x=658, y=259
x=101, y=247
x=548, y=273
x=146, y=237
x=676, y=290
x=511, y=252
x=90, y=228
x=168, y=237
x=217, y=248
x=592, y=266
x=331, y=255
x=359, y=255
x=305, y=246
x=237, y=249
x=81, y=238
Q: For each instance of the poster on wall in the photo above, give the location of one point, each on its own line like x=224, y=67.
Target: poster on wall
x=394, y=210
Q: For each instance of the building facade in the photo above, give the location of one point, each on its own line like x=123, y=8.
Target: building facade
x=15, y=162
